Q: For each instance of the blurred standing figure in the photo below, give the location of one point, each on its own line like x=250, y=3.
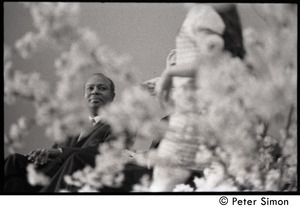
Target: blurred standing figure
x=74, y=154
x=206, y=30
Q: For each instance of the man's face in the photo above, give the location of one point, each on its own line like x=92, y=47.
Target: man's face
x=97, y=92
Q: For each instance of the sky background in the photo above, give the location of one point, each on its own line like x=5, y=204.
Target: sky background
x=145, y=31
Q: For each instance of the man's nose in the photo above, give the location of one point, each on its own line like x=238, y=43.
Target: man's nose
x=95, y=91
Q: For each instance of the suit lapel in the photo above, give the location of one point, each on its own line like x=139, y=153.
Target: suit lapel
x=74, y=140
x=88, y=134
x=70, y=141
x=89, y=131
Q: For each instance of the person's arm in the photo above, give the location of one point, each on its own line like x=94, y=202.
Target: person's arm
x=92, y=148
x=42, y=156
x=182, y=70
x=70, y=150
x=164, y=84
x=92, y=145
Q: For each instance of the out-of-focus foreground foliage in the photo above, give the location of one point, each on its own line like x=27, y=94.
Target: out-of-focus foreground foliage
x=249, y=129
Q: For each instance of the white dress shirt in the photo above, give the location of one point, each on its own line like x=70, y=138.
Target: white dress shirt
x=95, y=119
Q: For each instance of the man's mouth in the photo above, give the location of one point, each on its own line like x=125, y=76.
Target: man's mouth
x=95, y=100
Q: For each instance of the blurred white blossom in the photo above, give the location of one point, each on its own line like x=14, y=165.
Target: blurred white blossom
x=107, y=171
x=28, y=86
x=214, y=179
x=56, y=21
x=183, y=188
x=7, y=62
x=36, y=178
x=143, y=185
x=17, y=133
x=87, y=188
x=134, y=113
x=28, y=44
x=272, y=180
x=63, y=191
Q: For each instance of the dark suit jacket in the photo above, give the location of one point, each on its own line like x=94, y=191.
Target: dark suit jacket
x=100, y=133
x=87, y=149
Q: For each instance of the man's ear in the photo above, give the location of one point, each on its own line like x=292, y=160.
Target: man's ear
x=113, y=97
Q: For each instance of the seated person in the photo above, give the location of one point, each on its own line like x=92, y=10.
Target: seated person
x=73, y=154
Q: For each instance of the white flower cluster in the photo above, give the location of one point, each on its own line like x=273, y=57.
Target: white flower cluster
x=107, y=171
x=84, y=189
x=143, y=185
x=27, y=86
x=7, y=61
x=36, y=178
x=17, y=133
x=28, y=44
x=214, y=179
x=60, y=121
x=134, y=115
x=183, y=188
x=56, y=21
x=80, y=54
x=8, y=74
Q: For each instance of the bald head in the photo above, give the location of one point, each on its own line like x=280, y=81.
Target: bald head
x=112, y=85
x=98, y=91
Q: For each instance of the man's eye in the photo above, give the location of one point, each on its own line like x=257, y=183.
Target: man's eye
x=89, y=89
x=102, y=88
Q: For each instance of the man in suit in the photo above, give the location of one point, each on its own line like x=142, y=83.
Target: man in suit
x=70, y=156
